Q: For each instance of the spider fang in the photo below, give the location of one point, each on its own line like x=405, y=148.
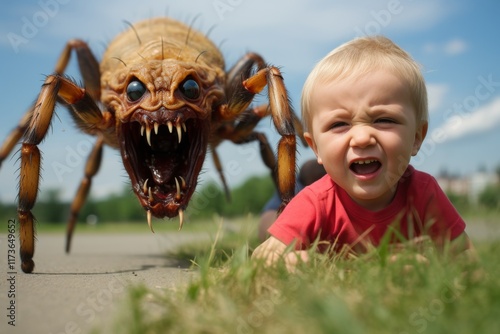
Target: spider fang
x=178, y=195
x=150, y=198
x=148, y=134
x=180, y=126
x=181, y=219
x=179, y=132
x=149, y=221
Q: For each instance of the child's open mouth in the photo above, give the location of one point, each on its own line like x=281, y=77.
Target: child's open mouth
x=365, y=167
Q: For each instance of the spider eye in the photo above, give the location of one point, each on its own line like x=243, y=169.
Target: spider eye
x=190, y=89
x=135, y=90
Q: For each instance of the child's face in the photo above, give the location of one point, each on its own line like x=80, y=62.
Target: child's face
x=364, y=131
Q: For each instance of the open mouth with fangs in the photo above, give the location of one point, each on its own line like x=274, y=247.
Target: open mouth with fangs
x=365, y=167
x=163, y=152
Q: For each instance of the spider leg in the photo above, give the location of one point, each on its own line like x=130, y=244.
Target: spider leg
x=244, y=133
x=239, y=100
x=35, y=123
x=283, y=118
x=240, y=97
x=241, y=89
x=218, y=166
x=14, y=136
x=55, y=88
x=89, y=68
x=87, y=63
x=91, y=168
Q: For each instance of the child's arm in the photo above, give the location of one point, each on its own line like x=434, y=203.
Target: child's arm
x=463, y=245
x=272, y=251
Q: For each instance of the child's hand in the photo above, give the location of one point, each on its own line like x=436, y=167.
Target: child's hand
x=295, y=257
x=272, y=251
x=410, y=257
x=418, y=258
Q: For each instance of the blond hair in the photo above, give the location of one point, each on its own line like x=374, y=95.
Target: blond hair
x=360, y=56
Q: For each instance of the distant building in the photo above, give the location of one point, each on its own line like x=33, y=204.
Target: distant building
x=470, y=185
x=453, y=184
x=478, y=182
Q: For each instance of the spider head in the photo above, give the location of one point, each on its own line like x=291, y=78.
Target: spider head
x=163, y=138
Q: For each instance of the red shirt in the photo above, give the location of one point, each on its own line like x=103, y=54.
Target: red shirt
x=324, y=210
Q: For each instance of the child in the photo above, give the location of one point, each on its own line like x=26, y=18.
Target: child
x=365, y=112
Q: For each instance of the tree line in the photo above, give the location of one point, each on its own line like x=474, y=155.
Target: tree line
x=209, y=199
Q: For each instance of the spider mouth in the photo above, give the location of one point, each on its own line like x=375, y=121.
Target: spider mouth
x=365, y=167
x=163, y=152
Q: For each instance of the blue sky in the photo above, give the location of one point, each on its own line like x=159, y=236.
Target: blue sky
x=455, y=41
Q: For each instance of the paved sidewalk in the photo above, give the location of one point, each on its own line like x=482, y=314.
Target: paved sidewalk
x=80, y=291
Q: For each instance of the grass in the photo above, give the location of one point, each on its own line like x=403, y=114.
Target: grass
x=159, y=225
x=374, y=293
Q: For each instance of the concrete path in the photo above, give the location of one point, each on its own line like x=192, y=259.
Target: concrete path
x=77, y=292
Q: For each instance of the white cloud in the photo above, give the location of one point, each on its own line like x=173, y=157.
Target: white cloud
x=436, y=94
x=451, y=47
x=464, y=124
x=455, y=46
